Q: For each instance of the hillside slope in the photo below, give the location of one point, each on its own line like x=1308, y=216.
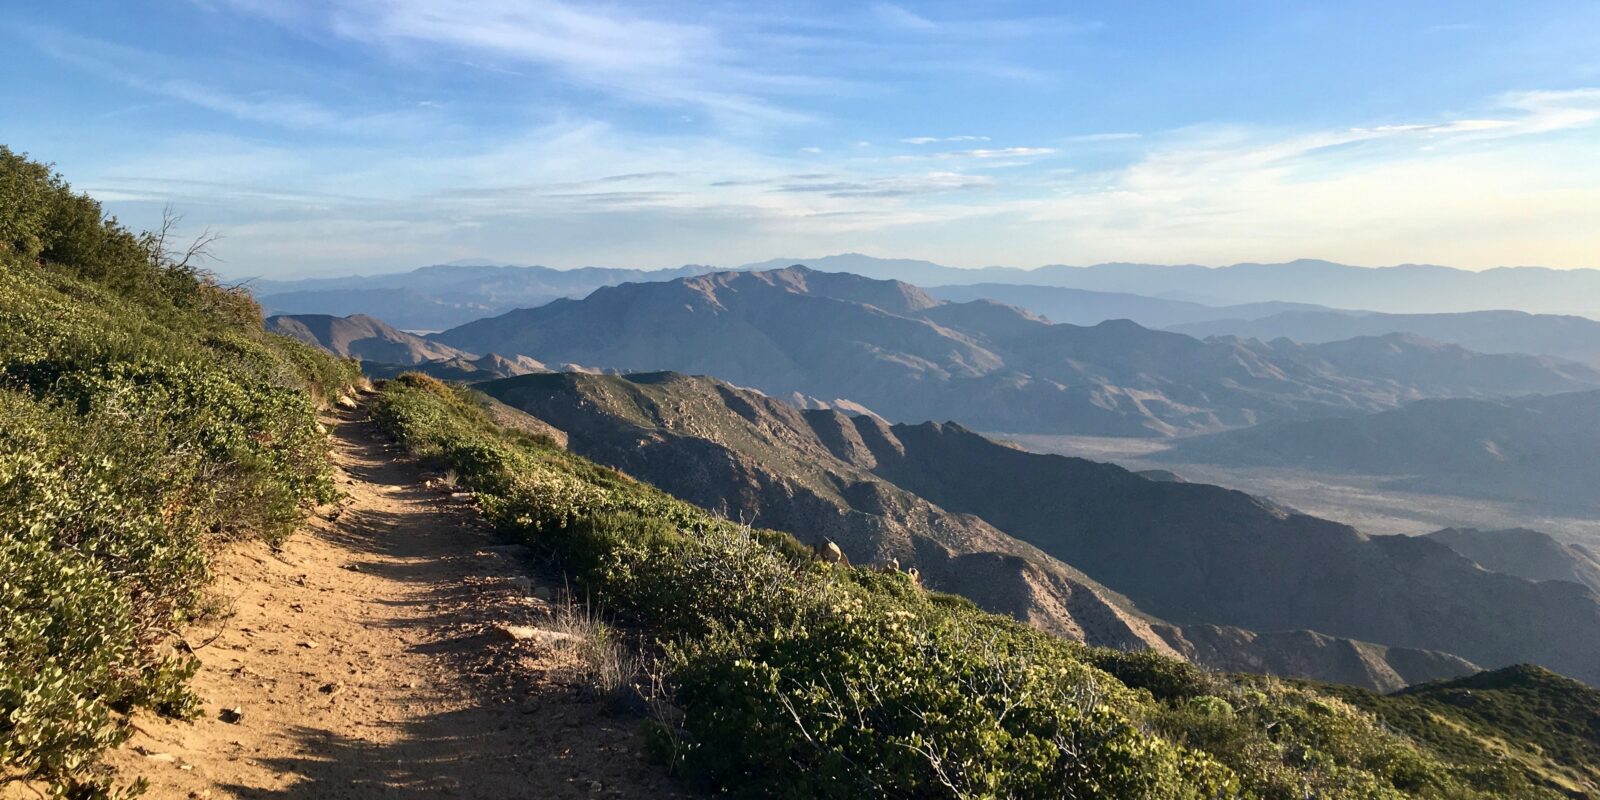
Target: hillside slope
x=810, y=473
x=1530, y=719
x=749, y=457
x=896, y=350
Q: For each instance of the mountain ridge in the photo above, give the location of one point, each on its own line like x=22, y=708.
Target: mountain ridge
x=895, y=349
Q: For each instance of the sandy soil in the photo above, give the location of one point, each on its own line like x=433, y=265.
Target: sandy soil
x=364, y=661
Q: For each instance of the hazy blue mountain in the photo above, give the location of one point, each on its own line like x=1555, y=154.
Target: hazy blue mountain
x=904, y=354
x=1571, y=337
x=1408, y=288
x=1539, y=449
x=910, y=270
x=443, y=296
x=1087, y=307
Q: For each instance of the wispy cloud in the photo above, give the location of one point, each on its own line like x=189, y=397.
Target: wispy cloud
x=897, y=186
x=623, y=52
x=933, y=139
x=1104, y=137
x=155, y=74
x=981, y=153
x=1554, y=110
x=979, y=26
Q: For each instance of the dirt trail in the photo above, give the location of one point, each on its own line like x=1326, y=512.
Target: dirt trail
x=364, y=662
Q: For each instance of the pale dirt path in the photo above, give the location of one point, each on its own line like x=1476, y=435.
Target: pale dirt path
x=363, y=658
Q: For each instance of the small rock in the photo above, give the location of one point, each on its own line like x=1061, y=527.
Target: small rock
x=596, y=786
x=528, y=633
x=309, y=644
x=330, y=689
x=512, y=550
x=232, y=716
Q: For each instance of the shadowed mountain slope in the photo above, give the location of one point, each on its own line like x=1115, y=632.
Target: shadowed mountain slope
x=895, y=349
x=1538, y=449
x=1198, y=553
x=462, y=368
x=1525, y=553
x=750, y=457
x=361, y=337
x=386, y=351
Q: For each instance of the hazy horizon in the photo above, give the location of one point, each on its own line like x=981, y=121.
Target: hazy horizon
x=223, y=268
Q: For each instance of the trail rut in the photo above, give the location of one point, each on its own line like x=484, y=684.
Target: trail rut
x=363, y=661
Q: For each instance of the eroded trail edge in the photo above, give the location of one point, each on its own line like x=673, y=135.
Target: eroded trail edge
x=366, y=657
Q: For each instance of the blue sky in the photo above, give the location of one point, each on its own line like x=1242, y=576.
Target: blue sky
x=372, y=135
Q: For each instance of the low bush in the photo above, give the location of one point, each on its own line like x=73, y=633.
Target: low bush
x=797, y=679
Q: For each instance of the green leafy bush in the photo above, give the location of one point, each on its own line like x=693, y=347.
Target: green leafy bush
x=797, y=679
x=144, y=416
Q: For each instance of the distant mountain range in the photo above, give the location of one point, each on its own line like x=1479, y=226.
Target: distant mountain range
x=1409, y=288
x=1086, y=307
x=1098, y=543
x=1537, y=449
x=908, y=356
x=444, y=296
x=1577, y=338
x=439, y=297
